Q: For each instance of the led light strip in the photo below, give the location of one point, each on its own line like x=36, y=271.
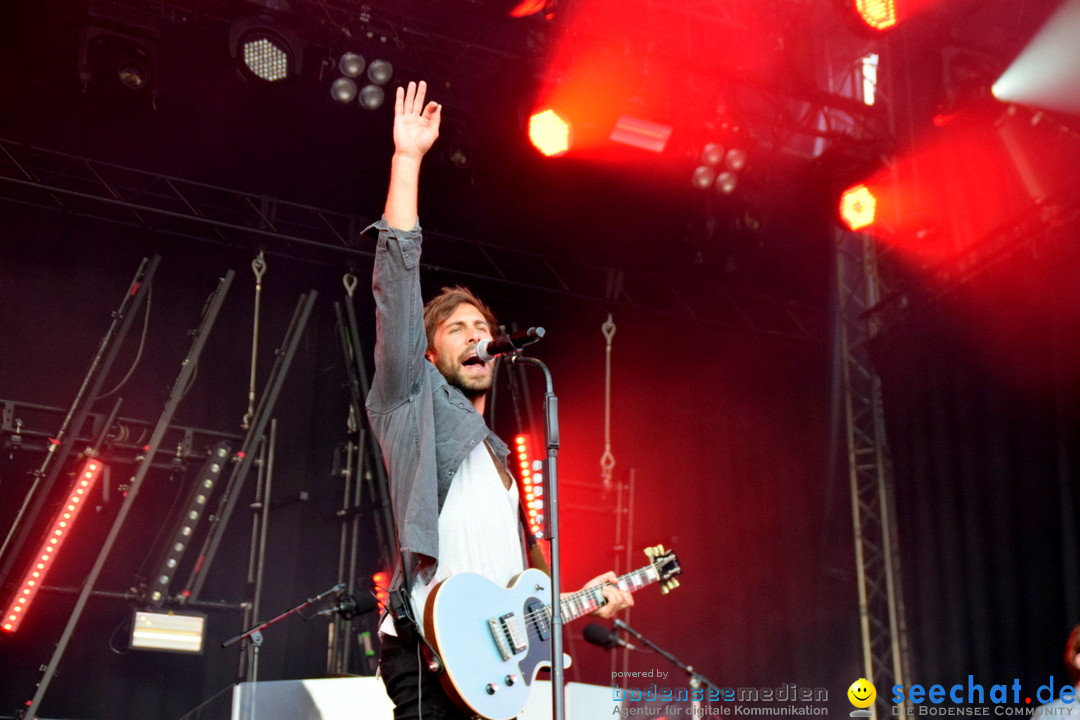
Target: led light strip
x=50, y=547
x=532, y=481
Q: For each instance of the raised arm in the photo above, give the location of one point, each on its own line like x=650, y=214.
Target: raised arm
x=400, y=341
x=416, y=127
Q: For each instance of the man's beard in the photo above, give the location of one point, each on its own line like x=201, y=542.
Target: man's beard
x=470, y=387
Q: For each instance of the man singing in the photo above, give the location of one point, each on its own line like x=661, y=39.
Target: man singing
x=455, y=504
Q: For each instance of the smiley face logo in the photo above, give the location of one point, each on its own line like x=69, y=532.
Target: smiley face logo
x=862, y=693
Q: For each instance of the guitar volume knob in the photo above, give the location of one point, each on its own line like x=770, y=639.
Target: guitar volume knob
x=491, y=688
x=510, y=680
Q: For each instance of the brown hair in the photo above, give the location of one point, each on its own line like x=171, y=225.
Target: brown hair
x=445, y=303
x=1072, y=647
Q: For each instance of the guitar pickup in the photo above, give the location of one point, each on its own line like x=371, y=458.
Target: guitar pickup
x=508, y=635
x=541, y=618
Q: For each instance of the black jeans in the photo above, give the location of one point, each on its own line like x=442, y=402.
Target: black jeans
x=415, y=690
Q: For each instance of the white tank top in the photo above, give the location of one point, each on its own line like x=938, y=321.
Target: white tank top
x=479, y=529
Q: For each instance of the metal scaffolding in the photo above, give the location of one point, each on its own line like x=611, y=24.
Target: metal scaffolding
x=86, y=188
x=886, y=657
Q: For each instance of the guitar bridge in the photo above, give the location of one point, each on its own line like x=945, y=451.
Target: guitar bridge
x=506, y=630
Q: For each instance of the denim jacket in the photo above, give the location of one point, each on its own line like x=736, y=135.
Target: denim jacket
x=424, y=425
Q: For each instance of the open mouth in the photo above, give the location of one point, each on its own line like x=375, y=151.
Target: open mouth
x=473, y=360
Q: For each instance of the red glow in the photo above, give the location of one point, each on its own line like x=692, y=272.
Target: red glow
x=877, y=14
x=57, y=534
x=380, y=582
x=549, y=132
x=857, y=207
x=528, y=7
x=531, y=484
x=943, y=199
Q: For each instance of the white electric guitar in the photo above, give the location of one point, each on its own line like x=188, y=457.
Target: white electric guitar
x=493, y=640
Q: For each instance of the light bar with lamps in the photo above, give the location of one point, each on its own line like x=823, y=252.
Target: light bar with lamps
x=194, y=510
x=31, y=582
x=168, y=631
x=532, y=484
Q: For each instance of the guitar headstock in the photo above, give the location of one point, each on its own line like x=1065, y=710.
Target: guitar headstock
x=666, y=566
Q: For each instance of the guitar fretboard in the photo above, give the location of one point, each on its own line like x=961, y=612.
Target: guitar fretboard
x=591, y=599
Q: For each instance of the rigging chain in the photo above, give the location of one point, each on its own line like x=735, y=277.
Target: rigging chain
x=258, y=267
x=607, y=460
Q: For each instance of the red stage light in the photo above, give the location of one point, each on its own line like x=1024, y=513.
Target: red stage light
x=877, y=14
x=531, y=484
x=380, y=581
x=549, y=132
x=858, y=206
x=46, y=554
x=525, y=8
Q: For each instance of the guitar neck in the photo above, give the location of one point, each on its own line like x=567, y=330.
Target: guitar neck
x=591, y=599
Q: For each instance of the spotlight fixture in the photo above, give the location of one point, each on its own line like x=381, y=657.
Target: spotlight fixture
x=343, y=90
x=521, y=8
x=170, y=631
x=549, y=132
x=726, y=182
x=876, y=15
x=858, y=207
x=712, y=154
x=380, y=71
x=120, y=63
x=371, y=97
x=719, y=168
x=703, y=177
x=351, y=66
x=735, y=159
x=268, y=49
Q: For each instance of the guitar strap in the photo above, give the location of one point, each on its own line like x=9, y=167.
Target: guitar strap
x=405, y=621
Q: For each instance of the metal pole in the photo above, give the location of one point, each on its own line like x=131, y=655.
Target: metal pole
x=187, y=371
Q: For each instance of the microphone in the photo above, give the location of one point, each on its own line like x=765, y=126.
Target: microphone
x=349, y=606
x=599, y=635
x=505, y=344
x=623, y=626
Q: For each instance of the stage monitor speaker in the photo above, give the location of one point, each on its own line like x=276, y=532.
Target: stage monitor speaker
x=350, y=698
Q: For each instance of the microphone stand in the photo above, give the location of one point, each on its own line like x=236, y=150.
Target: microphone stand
x=697, y=680
x=551, y=428
x=255, y=633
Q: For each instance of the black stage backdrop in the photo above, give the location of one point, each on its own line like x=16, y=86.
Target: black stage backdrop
x=726, y=433
x=982, y=396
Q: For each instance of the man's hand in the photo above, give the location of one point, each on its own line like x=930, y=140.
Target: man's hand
x=415, y=129
x=415, y=126
x=617, y=600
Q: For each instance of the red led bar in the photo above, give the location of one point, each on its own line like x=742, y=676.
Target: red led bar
x=50, y=547
x=380, y=581
x=532, y=484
